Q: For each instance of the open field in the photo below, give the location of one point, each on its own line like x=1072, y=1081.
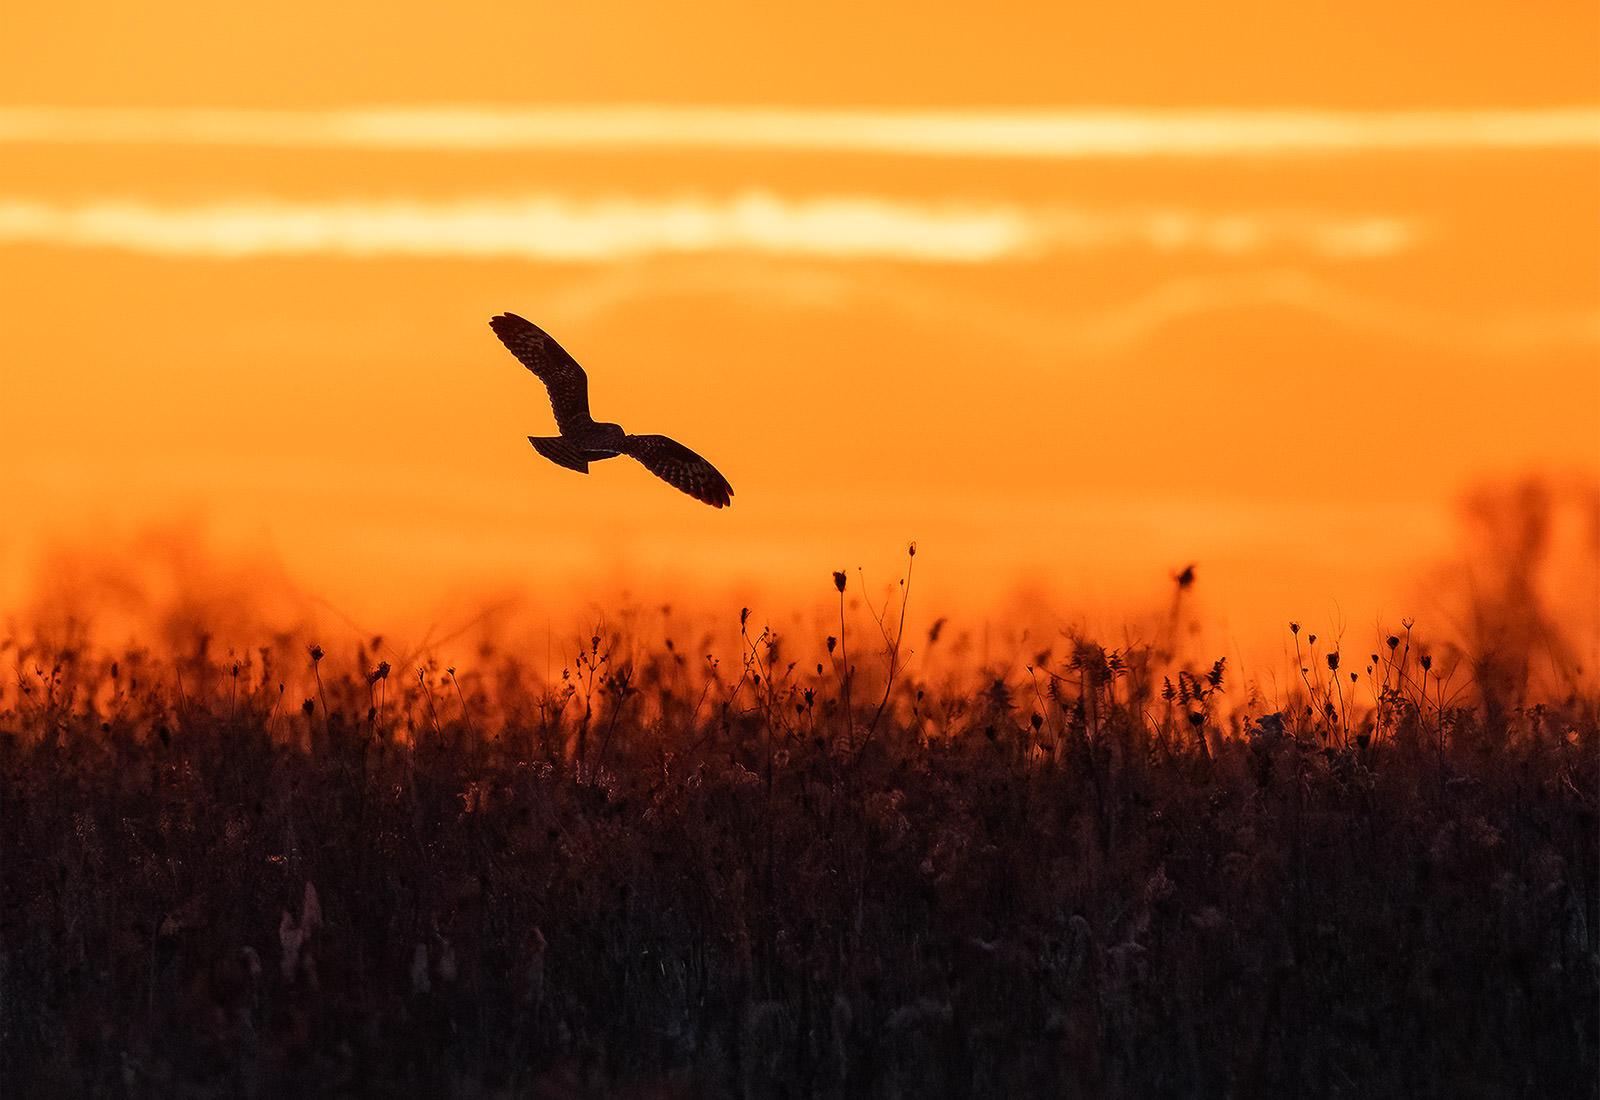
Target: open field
x=1094, y=872
x=1233, y=365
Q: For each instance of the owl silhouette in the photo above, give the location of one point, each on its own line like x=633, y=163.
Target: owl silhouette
x=582, y=439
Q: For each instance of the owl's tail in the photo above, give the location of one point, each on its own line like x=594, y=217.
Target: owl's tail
x=560, y=450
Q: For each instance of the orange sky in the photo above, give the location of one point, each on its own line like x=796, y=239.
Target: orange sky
x=1063, y=374
x=1370, y=53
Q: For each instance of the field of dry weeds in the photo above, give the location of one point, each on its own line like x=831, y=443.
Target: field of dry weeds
x=290, y=872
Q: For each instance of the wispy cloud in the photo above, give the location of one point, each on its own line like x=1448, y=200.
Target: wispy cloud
x=1498, y=333
x=1039, y=134
x=554, y=228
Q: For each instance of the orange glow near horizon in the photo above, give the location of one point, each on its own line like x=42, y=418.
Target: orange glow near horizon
x=1068, y=326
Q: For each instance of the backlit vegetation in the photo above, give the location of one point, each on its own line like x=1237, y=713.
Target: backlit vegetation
x=816, y=869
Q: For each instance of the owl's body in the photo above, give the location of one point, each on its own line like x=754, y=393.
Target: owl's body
x=584, y=440
x=577, y=449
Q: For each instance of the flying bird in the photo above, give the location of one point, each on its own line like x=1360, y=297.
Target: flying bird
x=582, y=440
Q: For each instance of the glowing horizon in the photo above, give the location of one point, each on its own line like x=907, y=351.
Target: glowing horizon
x=1047, y=134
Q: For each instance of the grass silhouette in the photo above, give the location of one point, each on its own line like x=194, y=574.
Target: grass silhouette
x=652, y=875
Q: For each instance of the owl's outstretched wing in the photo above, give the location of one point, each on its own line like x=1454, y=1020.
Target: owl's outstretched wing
x=560, y=373
x=681, y=468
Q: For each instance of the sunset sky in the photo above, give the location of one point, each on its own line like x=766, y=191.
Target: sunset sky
x=1072, y=295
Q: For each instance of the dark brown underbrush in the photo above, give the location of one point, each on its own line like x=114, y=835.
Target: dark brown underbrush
x=657, y=876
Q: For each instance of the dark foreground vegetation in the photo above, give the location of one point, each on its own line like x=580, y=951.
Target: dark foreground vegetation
x=658, y=876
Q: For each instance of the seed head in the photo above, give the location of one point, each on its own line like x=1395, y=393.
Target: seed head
x=838, y=581
x=1333, y=661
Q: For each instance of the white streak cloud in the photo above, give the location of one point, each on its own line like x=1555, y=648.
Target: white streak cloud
x=553, y=228
x=1035, y=134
